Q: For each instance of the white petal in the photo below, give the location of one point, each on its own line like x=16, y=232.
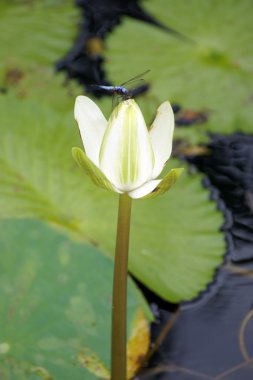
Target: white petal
x=92, y=125
x=161, y=134
x=145, y=189
x=126, y=155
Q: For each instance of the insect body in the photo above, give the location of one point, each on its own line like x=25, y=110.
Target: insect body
x=114, y=90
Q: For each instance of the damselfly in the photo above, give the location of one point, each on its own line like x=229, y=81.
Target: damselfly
x=122, y=89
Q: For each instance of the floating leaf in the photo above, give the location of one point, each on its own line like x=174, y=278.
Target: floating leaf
x=55, y=304
x=32, y=38
x=37, y=33
x=213, y=71
x=175, y=239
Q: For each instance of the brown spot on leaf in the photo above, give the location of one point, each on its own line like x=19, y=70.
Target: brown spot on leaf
x=13, y=76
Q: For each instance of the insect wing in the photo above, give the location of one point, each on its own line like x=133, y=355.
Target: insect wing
x=137, y=77
x=138, y=90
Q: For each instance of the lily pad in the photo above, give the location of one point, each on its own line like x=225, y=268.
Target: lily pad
x=176, y=243
x=32, y=38
x=213, y=71
x=56, y=306
x=36, y=33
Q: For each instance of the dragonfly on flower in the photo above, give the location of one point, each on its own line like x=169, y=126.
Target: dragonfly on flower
x=122, y=91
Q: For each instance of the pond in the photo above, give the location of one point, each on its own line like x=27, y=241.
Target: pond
x=191, y=254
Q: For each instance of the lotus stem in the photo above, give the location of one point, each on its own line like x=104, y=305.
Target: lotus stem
x=119, y=301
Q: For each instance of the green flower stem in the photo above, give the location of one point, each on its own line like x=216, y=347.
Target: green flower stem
x=119, y=302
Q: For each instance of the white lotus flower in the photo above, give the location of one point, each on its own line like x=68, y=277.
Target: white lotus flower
x=122, y=155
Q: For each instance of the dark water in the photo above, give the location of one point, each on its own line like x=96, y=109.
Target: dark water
x=230, y=170
x=212, y=338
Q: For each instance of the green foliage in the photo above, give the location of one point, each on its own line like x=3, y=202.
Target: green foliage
x=36, y=33
x=55, y=288
x=33, y=37
x=211, y=71
x=175, y=240
x=51, y=308
x=174, y=234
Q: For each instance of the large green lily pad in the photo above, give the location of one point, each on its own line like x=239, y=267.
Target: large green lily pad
x=55, y=304
x=176, y=244
x=212, y=72
x=33, y=37
x=36, y=33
